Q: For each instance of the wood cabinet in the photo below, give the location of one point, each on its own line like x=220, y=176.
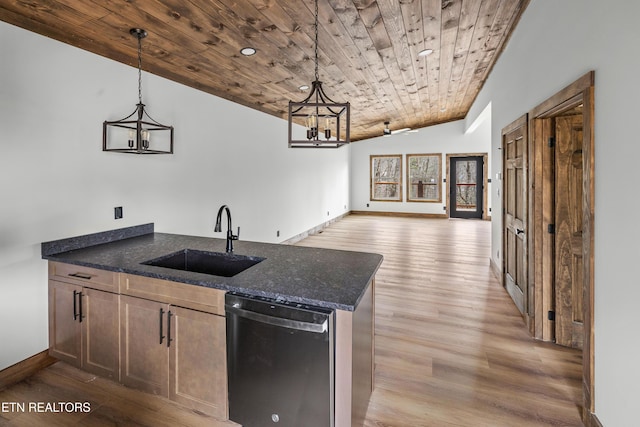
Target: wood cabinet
x=154, y=335
x=83, y=322
x=173, y=351
x=198, y=361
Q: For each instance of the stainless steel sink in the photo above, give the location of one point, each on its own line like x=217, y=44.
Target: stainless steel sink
x=214, y=263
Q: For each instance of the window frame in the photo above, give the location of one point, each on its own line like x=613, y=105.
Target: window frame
x=372, y=182
x=438, y=182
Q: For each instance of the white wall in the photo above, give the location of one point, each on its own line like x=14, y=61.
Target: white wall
x=448, y=138
x=555, y=43
x=55, y=181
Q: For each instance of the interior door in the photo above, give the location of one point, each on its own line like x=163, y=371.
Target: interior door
x=466, y=187
x=569, y=322
x=514, y=151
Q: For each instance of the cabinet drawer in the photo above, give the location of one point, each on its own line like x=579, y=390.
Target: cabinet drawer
x=180, y=294
x=85, y=276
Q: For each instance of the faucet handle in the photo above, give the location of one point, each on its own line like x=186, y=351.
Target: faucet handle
x=237, y=235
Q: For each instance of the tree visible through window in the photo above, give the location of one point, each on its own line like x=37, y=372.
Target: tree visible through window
x=423, y=177
x=386, y=178
x=467, y=185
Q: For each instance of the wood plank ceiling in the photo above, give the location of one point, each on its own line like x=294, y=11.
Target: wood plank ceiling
x=368, y=49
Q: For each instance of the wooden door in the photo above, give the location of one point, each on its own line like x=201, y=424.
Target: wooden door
x=144, y=354
x=198, y=361
x=101, y=333
x=569, y=321
x=515, y=205
x=466, y=189
x=65, y=340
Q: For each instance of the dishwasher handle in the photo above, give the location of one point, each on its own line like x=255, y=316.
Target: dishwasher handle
x=318, y=328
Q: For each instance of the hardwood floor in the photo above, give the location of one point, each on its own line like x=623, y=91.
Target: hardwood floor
x=451, y=348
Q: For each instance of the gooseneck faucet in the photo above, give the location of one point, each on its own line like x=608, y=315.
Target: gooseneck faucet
x=218, y=228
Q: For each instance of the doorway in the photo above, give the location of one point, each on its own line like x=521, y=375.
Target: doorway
x=557, y=230
x=466, y=186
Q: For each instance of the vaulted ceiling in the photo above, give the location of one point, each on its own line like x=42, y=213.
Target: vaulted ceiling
x=368, y=49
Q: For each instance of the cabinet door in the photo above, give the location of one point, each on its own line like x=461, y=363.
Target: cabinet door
x=198, y=361
x=101, y=333
x=64, y=328
x=144, y=354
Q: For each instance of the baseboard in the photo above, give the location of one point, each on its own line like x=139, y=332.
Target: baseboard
x=324, y=225
x=592, y=421
x=497, y=271
x=313, y=230
x=21, y=370
x=401, y=214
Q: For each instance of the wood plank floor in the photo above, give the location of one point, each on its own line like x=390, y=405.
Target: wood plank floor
x=451, y=348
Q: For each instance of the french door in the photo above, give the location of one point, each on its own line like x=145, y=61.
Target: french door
x=466, y=188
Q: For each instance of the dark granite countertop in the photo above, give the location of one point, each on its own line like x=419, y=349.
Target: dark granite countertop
x=323, y=277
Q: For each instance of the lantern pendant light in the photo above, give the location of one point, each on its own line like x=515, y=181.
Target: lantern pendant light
x=327, y=121
x=142, y=134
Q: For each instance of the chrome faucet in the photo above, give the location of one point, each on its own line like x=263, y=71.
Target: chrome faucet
x=218, y=228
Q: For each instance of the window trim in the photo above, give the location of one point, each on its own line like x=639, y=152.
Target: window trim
x=438, y=181
x=372, y=184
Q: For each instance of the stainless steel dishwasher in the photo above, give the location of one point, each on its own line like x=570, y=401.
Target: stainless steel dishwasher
x=280, y=362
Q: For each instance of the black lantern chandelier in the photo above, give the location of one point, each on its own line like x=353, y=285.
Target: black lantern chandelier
x=327, y=121
x=142, y=134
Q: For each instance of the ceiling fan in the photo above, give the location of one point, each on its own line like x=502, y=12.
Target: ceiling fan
x=386, y=131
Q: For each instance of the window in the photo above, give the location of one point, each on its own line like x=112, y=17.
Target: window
x=386, y=178
x=424, y=177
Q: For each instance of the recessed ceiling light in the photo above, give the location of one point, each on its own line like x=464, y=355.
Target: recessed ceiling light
x=425, y=52
x=248, y=51
x=303, y=87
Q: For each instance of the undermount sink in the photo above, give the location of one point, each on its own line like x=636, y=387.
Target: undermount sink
x=215, y=263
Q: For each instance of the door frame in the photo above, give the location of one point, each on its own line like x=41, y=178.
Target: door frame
x=485, y=181
x=541, y=179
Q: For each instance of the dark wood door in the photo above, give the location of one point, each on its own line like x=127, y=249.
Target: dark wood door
x=466, y=187
x=569, y=322
x=514, y=151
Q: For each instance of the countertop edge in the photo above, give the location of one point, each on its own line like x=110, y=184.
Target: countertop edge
x=79, y=242
x=59, y=250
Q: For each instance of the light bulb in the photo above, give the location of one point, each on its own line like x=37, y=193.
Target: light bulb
x=144, y=134
x=132, y=137
x=312, y=120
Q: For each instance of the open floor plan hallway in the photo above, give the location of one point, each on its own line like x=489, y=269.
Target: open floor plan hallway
x=451, y=347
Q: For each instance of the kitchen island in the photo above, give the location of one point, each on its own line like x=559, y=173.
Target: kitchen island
x=339, y=280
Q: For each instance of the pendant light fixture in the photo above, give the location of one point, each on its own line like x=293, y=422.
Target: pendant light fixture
x=142, y=134
x=327, y=121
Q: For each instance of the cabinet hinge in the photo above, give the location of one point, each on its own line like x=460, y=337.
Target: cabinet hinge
x=551, y=229
x=551, y=315
x=552, y=141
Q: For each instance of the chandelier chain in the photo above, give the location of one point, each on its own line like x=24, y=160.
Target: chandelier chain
x=316, y=34
x=139, y=69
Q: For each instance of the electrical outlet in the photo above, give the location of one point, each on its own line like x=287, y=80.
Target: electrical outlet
x=117, y=212
x=327, y=213
x=278, y=233
x=367, y=204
